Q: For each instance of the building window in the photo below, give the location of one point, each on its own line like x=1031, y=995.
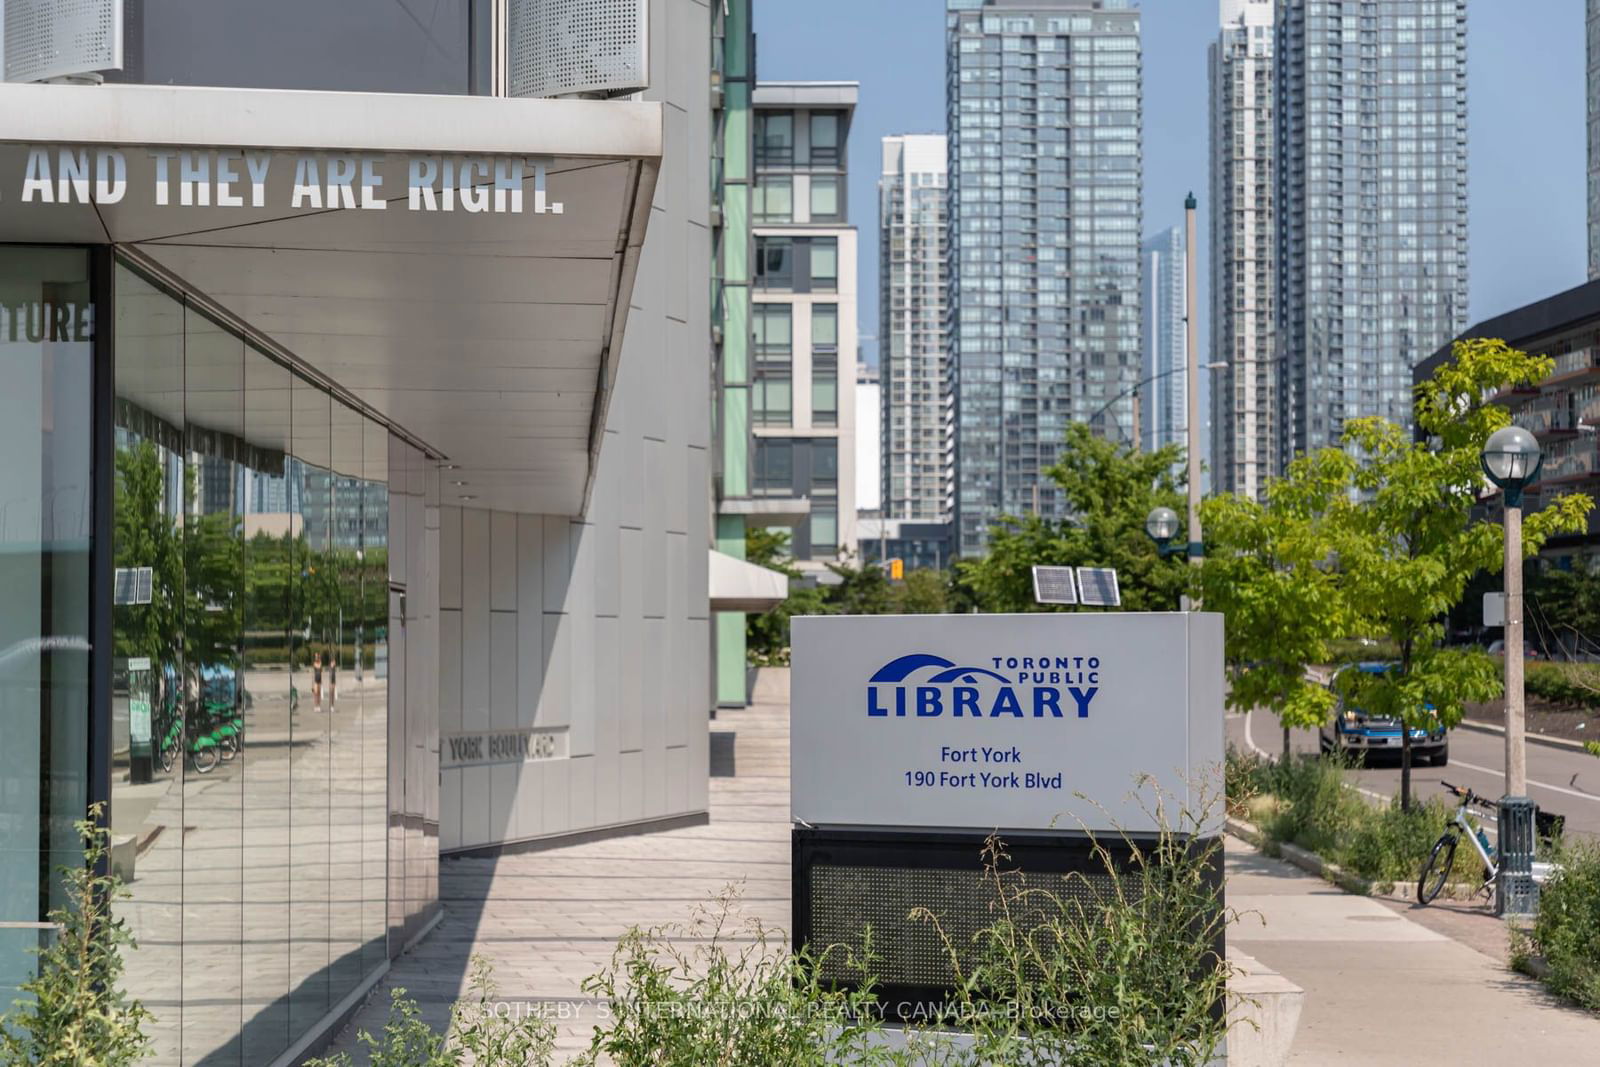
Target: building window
x=774, y=137
x=824, y=530
x=824, y=198
x=774, y=468
x=825, y=467
x=824, y=263
x=773, y=386
x=774, y=263
x=825, y=364
x=775, y=199
x=824, y=138
x=47, y=326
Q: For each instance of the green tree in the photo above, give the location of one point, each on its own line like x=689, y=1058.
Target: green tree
x=1409, y=549
x=77, y=1014
x=1568, y=606
x=923, y=592
x=767, y=634
x=143, y=535
x=1268, y=570
x=1109, y=490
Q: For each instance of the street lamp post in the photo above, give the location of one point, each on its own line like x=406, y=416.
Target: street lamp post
x=1192, y=323
x=1511, y=458
x=1162, y=526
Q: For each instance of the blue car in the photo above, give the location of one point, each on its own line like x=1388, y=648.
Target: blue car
x=1353, y=731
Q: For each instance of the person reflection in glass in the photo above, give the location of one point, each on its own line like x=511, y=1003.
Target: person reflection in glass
x=316, y=681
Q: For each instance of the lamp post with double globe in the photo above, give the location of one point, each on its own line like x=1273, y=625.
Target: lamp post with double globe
x=1512, y=458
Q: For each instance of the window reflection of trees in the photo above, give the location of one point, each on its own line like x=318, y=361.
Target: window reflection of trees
x=251, y=827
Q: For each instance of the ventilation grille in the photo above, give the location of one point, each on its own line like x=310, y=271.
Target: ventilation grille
x=55, y=38
x=577, y=47
x=909, y=952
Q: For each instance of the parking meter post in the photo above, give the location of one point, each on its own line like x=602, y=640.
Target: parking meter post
x=1516, y=893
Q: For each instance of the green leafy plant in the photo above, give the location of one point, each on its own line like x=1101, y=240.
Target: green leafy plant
x=76, y=1012
x=480, y=1033
x=1118, y=967
x=719, y=992
x=1268, y=569
x=1567, y=930
x=1109, y=490
x=1408, y=551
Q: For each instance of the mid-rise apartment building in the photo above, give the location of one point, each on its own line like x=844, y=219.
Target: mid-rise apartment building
x=803, y=314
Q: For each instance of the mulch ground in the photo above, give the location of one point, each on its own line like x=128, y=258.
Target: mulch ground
x=1574, y=724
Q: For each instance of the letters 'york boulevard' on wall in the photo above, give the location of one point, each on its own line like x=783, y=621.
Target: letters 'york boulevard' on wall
x=240, y=178
x=1005, y=722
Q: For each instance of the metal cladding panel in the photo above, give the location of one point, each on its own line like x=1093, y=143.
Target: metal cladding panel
x=1007, y=722
x=54, y=38
x=577, y=47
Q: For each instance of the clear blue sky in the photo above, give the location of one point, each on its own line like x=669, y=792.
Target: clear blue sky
x=1525, y=106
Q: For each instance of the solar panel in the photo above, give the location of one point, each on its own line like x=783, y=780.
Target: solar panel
x=1054, y=585
x=133, y=585
x=1099, y=587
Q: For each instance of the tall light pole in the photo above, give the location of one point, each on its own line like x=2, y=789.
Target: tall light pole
x=1192, y=323
x=1511, y=458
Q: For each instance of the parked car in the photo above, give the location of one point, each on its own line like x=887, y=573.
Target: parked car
x=1497, y=647
x=1354, y=731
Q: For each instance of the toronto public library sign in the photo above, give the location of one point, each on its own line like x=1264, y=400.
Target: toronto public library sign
x=238, y=178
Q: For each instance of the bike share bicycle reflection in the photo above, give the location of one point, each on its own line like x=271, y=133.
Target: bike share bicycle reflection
x=1436, y=870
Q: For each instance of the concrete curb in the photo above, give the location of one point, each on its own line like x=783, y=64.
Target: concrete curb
x=1331, y=872
x=1537, y=739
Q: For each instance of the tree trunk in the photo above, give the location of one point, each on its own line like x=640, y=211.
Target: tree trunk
x=1405, y=734
x=1286, y=744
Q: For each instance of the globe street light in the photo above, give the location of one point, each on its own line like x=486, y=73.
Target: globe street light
x=1511, y=458
x=1162, y=527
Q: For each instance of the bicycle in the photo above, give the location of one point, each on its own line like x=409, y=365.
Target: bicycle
x=1443, y=854
x=1444, y=850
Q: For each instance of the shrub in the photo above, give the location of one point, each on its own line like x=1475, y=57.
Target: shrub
x=77, y=1013
x=1316, y=810
x=1119, y=968
x=1567, y=930
x=1391, y=845
x=1571, y=684
x=477, y=1034
x=724, y=994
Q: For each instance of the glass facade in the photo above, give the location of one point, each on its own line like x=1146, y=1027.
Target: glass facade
x=47, y=337
x=1372, y=204
x=249, y=714
x=1043, y=113
x=1244, y=397
x=911, y=327
x=1164, y=415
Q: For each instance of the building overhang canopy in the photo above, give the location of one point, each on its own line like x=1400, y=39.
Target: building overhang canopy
x=487, y=335
x=739, y=585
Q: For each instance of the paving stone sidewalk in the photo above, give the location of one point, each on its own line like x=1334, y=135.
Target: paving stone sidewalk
x=548, y=919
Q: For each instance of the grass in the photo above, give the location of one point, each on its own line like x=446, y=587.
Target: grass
x=1308, y=802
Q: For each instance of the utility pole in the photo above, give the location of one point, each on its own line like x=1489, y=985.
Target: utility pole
x=1192, y=358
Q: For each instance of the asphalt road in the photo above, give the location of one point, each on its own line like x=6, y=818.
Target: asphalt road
x=1559, y=780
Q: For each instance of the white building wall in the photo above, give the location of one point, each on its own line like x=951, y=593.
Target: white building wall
x=597, y=626
x=869, y=471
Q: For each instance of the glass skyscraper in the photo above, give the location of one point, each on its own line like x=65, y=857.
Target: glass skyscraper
x=1592, y=29
x=1043, y=112
x=1244, y=424
x=912, y=283
x=1372, y=204
x=1163, y=414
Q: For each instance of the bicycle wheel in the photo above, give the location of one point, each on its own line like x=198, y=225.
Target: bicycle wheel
x=205, y=759
x=1437, y=870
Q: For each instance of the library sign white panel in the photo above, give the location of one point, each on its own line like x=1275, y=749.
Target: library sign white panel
x=1009, y=722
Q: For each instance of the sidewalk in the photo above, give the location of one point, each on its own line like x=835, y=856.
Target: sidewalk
x=1383, y=989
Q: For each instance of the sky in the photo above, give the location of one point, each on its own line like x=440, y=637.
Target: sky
x=1526, y=141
